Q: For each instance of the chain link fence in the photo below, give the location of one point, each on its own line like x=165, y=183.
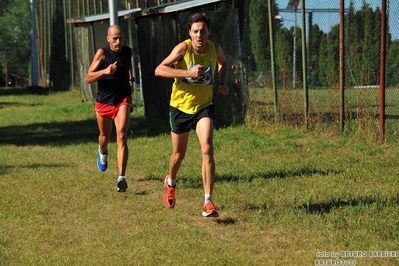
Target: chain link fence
x=305, y=60
x=157, y=35
x=307, y=88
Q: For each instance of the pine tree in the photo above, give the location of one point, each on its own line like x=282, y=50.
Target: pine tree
x=284, y=55
x=392, y=63
x=260, y=37
x=314, y=51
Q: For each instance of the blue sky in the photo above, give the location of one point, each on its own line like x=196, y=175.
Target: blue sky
x=326, y=20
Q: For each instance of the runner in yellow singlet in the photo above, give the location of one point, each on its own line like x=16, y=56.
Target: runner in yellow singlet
x=193, y=64
x=191, y=94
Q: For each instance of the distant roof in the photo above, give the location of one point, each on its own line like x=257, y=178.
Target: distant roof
x=166, y=8
x=103, y=16
x=176, y=6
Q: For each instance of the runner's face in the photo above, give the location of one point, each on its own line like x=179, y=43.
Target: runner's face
x=199, y=34
x=115, y=39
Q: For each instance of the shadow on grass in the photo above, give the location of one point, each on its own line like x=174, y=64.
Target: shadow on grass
x=6, y=169
x=64, y=133
x=304, y=172
x=226, y=221
x=32, y=90
x=196, y=183
x=142, y=127
x=52, y=134
x=326, y=207
x=152, y=177
x=8, y=104
x=142, y=193
x=257, y=208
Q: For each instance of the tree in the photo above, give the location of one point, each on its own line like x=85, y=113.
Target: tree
x=323, y=55
x=284, y=54
x=364, y=45
x=260, y=38
x=354, y=24
x=314, y=51
x=392, y=69
x=15, y=39
x=332, y=58
x=370, y=43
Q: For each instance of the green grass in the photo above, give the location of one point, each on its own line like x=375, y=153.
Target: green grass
x=361, y=109
x=285, y=196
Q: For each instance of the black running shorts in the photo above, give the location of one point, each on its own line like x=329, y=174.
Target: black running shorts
x=181, y=122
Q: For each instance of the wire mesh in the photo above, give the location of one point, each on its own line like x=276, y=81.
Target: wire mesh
x=320, y=102
x=248, y=49
x=157, y=35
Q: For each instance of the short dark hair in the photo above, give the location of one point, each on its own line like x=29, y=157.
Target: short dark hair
x=199, y=17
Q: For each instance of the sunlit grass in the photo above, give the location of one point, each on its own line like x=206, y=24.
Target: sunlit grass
x=361, y=110
x=283, y=194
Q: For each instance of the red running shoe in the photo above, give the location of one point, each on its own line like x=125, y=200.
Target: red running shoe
x=210, y=210
x=169, y=198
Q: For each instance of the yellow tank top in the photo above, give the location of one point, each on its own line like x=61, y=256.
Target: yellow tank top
x=192, y=95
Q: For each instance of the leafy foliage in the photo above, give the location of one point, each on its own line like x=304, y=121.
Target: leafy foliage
x=362, y=39
x=393, y=63
x=314, y=50
x=15, y=39
x=362, y=34
x=260, y=37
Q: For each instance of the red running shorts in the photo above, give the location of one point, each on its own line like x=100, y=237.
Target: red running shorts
x=108, y=110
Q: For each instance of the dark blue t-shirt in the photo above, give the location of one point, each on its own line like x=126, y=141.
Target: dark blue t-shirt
x=113, y=88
